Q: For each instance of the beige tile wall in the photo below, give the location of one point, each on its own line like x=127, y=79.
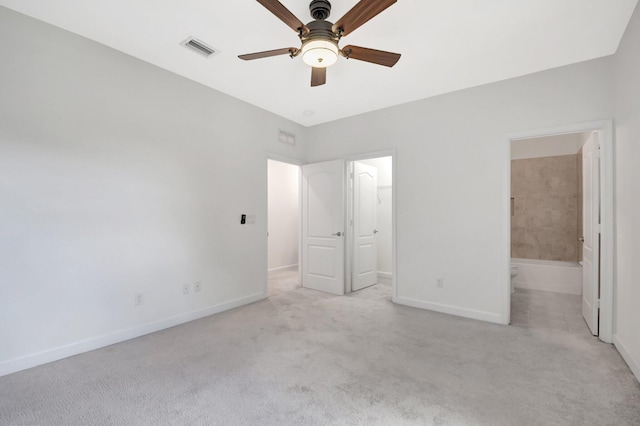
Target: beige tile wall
x=544, y=224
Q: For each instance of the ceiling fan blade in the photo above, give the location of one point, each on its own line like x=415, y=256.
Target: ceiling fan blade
x=267, y=53
x=318, y=76
x=275, y=7
x=380, y=57
x=359, y=14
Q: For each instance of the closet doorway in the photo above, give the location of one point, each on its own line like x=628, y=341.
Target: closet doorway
x=342, y=212
x=283, y=222
x=370, y=217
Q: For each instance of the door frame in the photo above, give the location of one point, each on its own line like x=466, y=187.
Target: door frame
x=349, y=213
x=349, y=232
x=606, y=216
x=293, y=162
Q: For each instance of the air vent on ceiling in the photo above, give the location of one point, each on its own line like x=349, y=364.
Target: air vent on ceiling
x=199, y=46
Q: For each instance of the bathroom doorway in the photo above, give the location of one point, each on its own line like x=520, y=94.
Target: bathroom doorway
x=557, y=276
x=546, y=227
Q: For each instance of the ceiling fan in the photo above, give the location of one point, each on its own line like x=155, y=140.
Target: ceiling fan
x=320, y=37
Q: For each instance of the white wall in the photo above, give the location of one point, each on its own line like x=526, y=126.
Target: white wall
x=117, y=178
x=627, y=293
x=451, y=159
x=284, y=187
x=549, y=146
x=384, y=212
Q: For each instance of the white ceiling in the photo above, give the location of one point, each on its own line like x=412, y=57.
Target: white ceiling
x=446, y=45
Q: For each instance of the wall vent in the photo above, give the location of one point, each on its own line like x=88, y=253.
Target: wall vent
x=199, y=46
x=288, y=138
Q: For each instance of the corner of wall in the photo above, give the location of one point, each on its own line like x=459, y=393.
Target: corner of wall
x=633, y=363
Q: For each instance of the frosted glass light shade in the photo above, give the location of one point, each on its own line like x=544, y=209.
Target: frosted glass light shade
x=320, y=53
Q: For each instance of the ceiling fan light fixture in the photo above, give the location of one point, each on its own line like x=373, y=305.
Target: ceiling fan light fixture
x=320, y=53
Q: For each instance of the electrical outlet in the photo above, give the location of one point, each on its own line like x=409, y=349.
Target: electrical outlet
x=197, y=286
x=440, y=282
x=185, y=289
x=138, y=299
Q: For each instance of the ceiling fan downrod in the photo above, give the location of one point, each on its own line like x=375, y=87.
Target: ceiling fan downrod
x=320, y=9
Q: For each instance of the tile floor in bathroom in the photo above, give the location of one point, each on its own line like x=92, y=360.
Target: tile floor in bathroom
x=549, y=310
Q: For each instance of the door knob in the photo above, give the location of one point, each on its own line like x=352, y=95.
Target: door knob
x=339, y=234
x=581, y=239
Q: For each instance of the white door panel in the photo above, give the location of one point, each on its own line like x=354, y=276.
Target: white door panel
x=319, y=204
x=323, y=226
x=321, y=260
x=591, y=232
x=365, y=253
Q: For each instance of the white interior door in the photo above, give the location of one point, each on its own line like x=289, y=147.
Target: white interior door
x=323, y=215
x=365, y=248
x=591, y=231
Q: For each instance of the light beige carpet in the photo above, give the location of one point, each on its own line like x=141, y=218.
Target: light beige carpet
x=307, y=358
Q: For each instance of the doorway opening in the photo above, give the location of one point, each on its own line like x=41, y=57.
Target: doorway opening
x=347, y=224
x=546, y=232
x=560, y=216
x=283, y=225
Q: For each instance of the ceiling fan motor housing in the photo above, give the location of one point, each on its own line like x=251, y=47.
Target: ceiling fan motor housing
x=319, y=29
x=320, y=9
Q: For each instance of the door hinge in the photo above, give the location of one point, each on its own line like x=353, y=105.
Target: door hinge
x=598, y=303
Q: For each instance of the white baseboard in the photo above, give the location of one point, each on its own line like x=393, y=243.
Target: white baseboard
x=560, y=277
x=385, y=274
x=451, y=310
x=633, y=364
x=567, y=288
x=33, y=360
x=282, y=268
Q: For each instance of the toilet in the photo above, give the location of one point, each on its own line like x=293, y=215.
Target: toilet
x=514, y=272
